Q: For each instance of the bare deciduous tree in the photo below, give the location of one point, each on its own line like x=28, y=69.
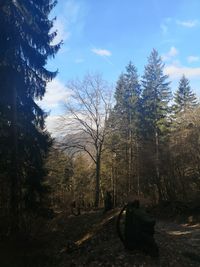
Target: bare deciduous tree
x=84, y=123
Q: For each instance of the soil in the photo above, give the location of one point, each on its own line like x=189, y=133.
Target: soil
x=91, y=239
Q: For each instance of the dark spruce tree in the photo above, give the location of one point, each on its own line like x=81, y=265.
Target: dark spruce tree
x=154, y=116
x=125, y=119
x=127, y=97
x=25, y=46
x=184, y=98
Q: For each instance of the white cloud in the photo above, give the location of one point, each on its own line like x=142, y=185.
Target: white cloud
x=192, y=59
x=62, y=33
x=52, y=124
x=188, y=23
x=175, y=72
x=170, y=54
x=56, y=94
x=71, y=18
x=165, y=25
x=101, y=52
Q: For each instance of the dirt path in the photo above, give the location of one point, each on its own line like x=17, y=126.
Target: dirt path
x=179, y=245
x=91, y=240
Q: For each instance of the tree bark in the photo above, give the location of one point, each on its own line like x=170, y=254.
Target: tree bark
x=97, y=185
x=158, y=167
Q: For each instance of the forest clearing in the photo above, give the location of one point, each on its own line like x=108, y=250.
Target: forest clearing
x=99, y=133
x=99, y=245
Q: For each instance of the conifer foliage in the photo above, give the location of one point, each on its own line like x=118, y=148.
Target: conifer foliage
x=25, y=46
x=156, y=94
x=155, y=110
x=125, y=120
x=184, y=97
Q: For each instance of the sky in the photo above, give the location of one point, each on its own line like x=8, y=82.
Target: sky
x=104, y=36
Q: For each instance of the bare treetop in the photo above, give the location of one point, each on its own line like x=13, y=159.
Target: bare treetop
x=84, y=123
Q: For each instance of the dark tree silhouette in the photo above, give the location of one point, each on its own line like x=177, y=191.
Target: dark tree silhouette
x=25, y=46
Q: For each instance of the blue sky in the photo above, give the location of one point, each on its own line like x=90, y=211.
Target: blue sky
x=103, y=36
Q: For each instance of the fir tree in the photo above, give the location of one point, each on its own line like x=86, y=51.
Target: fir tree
x=155, y=96
x=184, y=99
x=155, y=109
x=25, y=46
x=125, y=117
x=127, y=95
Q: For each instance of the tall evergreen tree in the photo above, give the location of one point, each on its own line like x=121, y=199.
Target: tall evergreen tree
x=155, y=99
x=127, y=97
x=25, y=45
x=156, y=95
x=126, y=115
x=184, y=97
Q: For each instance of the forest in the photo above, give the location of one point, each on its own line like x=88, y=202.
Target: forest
x=138, y=139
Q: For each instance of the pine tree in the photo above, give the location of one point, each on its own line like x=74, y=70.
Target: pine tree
x=25, y=46
x=184, y=99
x=155, y=99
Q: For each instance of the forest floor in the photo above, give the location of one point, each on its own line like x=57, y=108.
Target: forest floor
x=90, y=239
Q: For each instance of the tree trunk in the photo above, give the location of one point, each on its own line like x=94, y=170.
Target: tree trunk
x=97, y=185
x=113, y=180
x=138, y=167
x=158, y=167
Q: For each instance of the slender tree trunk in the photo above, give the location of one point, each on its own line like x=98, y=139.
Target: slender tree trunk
x=127, y=164
x=157, y=166
x=130, y=158
x=138, y=167
x=113, y=181
x=97, y=185
x=101, y=191
x=182, y=182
